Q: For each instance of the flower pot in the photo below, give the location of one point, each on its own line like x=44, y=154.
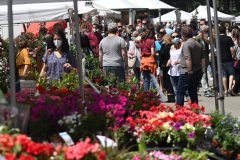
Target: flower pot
x=142, y=147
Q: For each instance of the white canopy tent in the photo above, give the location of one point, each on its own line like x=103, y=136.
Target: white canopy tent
x=202, y=14
x=118, y=4
x=152, y=4
x=133, y=4
x=24, y=13
x=171, y=17
x=237, y=19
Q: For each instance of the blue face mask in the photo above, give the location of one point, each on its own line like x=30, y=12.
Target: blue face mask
x=176, y=40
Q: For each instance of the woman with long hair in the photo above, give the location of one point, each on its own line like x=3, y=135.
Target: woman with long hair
x=59, y=61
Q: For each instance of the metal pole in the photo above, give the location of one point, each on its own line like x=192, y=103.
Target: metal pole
x=78, y=45
x=220, y=82
x=11, y=56
x=213, y=60
x=159, y=14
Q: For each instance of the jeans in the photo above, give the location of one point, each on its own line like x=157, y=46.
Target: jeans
x=204, y=82
x=147, y=80
x=188, y=82
x=137, y=73
x=117, y=71
x=174, y=81
x=150, y=81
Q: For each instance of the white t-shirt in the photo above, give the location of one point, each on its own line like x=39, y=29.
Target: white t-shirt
x=175, y=56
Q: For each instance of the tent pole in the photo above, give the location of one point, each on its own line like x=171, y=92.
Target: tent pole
x=213, y=60
x=159, y=14
x=220, y=82
x=11, y=56
x=78, y=46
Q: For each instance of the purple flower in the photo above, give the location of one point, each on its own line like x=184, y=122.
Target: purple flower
x=177, y=126
x=191, y=135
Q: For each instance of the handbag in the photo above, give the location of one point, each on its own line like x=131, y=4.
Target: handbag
x=132, y=57
x=131, y=61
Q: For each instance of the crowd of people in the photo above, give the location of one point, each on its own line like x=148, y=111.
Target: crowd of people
x=174, y=59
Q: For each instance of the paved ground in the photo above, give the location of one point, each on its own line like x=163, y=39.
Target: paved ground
x=232, y=104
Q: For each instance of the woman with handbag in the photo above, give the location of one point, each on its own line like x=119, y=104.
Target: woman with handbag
x=59, y=61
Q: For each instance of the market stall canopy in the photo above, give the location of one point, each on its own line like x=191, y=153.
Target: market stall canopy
x=44, y=12
x=171, y=17
x=103, y=11
x=40, y=12
x=201, y=13
x=133, y=4
x=119, y=4
x=152, y=4
x=4, y=2
x=237, y=19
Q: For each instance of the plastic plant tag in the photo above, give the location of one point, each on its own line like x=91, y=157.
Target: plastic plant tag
x=66, y=138
x=106, y=142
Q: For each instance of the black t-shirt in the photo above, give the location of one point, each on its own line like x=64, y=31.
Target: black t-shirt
x=226, y=43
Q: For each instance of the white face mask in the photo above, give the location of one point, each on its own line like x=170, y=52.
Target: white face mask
x=57, y=43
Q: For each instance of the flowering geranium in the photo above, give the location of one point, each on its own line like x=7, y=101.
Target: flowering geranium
x=83, y=150
x=22, y=147
x=169, y=124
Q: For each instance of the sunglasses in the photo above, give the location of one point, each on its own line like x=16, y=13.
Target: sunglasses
x=119, y=26
x=175, y=36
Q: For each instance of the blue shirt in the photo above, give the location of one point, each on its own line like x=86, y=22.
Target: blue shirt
x=55, y=69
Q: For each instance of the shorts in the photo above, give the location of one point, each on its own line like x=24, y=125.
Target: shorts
x=228, y=69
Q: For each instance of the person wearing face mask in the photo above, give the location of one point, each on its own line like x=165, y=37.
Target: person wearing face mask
x=59, y=61
x=174, y=60
x=134, y=55
x=95, y=38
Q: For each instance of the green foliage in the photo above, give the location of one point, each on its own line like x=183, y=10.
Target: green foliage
x=69, y=81
x=188, y=154
x=227, y=130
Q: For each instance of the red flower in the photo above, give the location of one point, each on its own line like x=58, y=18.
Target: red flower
x=63, y=91
x=41, y=89
x=10, y=156
x=26, y=157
